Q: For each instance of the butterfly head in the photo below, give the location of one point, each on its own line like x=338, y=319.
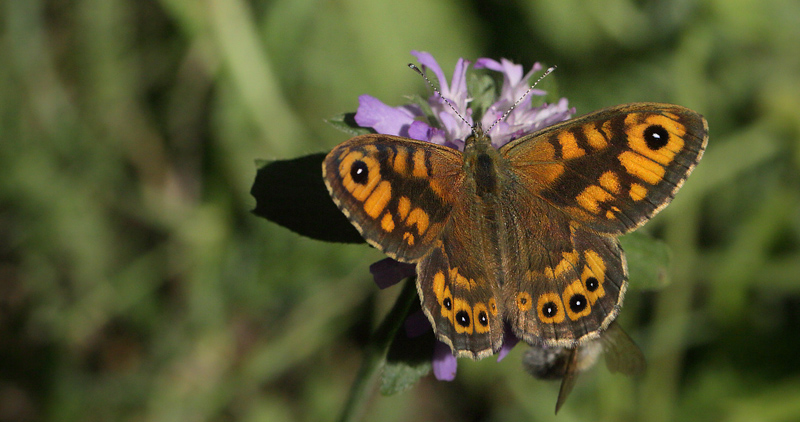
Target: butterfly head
x=478, y=141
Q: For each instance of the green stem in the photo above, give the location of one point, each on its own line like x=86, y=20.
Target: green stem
x=375, y=354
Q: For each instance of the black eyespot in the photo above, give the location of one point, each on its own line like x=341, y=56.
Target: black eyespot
x=550, y=309
x=577, y=303
x=656, y=137
x=448, y=304
x=359, y=172
x=462, y=318
x=483, y=319
x=523, y=300
x=592, y=284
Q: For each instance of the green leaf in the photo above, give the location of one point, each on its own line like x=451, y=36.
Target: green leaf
x=425, y=106
x=483, y=90
x=292, y=193
x=648, y=260
x=548, y=84
x=377, y=350
x=407, y=360
x=400, y=376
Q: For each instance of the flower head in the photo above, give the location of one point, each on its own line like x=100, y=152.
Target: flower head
x=450, y=129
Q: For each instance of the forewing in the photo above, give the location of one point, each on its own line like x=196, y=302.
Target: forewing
x=615, y=168
x=396, y=191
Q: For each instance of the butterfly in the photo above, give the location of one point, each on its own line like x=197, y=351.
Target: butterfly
x=523, y=237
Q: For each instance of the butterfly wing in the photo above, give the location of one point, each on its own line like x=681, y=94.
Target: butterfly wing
x=622, y=353
x=458, y=288
x=408, y=199
x=589, y=179
x=568, y=284
x=396, y=191
x=615, y=168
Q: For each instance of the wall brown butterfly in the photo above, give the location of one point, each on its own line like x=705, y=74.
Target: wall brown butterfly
x=524, y=236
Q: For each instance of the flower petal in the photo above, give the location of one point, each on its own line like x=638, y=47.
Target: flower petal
x=456, y=94
x=427, y=60
x=420, y=131
x=388, y=272
x=514, y=83
x=487, y=63
x=383, y=118
x=458, y=88
x=509, y=341
x=454, y=128
x=444, y=363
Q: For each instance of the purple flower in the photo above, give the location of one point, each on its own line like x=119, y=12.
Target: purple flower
x=388, y=272
x=450, y=130
x=444, y=363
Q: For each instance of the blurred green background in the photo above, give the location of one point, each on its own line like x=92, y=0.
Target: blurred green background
x=136, y=285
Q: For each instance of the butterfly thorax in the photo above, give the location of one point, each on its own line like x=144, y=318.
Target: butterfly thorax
x=482, y=164
x=488, y=179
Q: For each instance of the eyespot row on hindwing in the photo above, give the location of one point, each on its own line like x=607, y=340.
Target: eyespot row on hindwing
x=577, y=298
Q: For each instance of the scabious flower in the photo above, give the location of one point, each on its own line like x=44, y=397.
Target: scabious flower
x=450, y=130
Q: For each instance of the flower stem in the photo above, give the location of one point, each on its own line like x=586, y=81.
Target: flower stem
x=375, y=354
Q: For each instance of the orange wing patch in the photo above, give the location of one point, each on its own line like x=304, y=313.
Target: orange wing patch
x=569, y=146
x=420, y=166
x=378, y=199
x=591, y=197
x=387, y=223
x=524, y=301
x=460, y=281
x=596, y=139
x=400, y=161
x=642, y=167
x=637, y=192
x=610, y=182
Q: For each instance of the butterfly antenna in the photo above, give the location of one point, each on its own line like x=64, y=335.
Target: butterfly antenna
x=503, y=117
x=416, y=69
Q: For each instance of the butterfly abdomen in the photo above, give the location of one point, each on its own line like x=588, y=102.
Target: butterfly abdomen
x=493, y=188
